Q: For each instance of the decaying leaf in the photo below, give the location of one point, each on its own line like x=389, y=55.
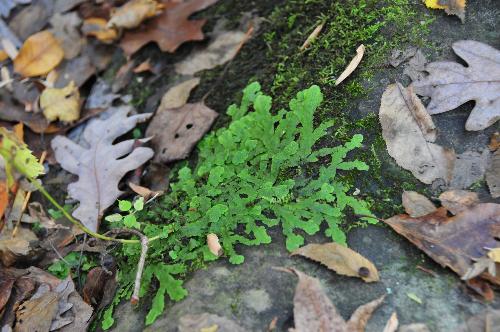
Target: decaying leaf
x=417, y=205
x=62, y=104
x=456, y=241
x=450, y=84
x=486, y=321
x=18, y=248
x=66, y=29
x=451, y=7
x=222, y=49
x=143, y=67
x=214, y=245
x=144, y=192
x=409, y=132
x=97, y=27
x=312, y=37
x=100, y=166
x=4, y=197
x=178, y=95
x=37, y=313
x=208, y=322
x=494, y=142
x=392, y=324
x=360, y=51
x=493, y=174
x=170, y=29
x=469, y=168
x=340, y=259
x=314, y=312
x=39, y=54
x=481, y=265
x=131, y=14
x=457, y=201
x=176, y=131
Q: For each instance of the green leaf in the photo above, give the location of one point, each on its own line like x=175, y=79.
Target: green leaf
x=130, y=221
x=115, y=217
x=124, y=206
x=139, y=204
x=107, y=319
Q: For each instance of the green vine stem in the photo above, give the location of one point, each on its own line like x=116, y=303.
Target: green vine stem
x=80, y=225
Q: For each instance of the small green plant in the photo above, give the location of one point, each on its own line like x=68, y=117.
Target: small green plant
x=71, y=261
x=251, y=176
x=129, y=220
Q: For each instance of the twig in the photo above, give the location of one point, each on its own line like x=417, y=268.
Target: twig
x=58, y=254
x=426, y=270
x=368, y=216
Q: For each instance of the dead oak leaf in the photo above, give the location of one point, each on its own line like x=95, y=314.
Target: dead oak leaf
x=39, y=54
x=453, y=242
x=176, y=131
x=451, y=7
x=314, y=312
x=169, y=29
x=340, y=259
x=450, y=84
x=100, y=165
x=131, y=14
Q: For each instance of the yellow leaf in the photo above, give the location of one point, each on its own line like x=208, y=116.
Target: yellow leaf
x=451, y=7
x=132, y=14
x=3, y=55
x=39, y=54
x=494, y=254
x=97, y=27
x=62, y=104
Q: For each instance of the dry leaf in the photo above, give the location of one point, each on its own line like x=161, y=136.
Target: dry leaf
x=9, y=48
x=493, y=174
x=314, y=312
x=214, y=245
x=312, y=37
x=62, y=104
x=360, y=51
x=143, y=66
x=101, y=166
x=177, y=96
x=39, y=54
x=409, y=132
x=204, y=321
x=453, y=241
x=32, y=18
x=37, y=313
x=170, y=29
x=494, y=254
x=4, y=197
x=494, y=142
x=470, y=167
x=66, y=29
x=97, y=27
x=450, y=84
x=340, y=259
x=176, y=131
x=416, y=327
x=144, y=192
x=222, y=49
x=417, y=205
x=486, y=321
x=457, y=201
x=451, y=7
x=392, y=324
x=481, y=265
x=131, y=14
x=18, y=248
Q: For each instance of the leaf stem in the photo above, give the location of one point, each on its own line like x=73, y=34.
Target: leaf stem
x=79, y=224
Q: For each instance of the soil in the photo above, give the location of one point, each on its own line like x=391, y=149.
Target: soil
x=253, y=293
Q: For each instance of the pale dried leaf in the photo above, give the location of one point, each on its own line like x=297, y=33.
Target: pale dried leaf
x=312, y=37
x=494, y=254
x=9, y=48
x=97, y=27
x=360, y=317
x=360, y=51
x=409, y=132
x=457, y=201
x=450, y=84
x=144, y=192
x=133, y=13
x=98, y=166
x=16, y=248
x=222, y=49
x=470, y=167
x=493, y=174
x=416, y=327
x=176, y=131
x=417, y=205
x=214, y=245
x=66, y=29
x=62, y=104
x=392, y=324
x=481, y=265
x=340, y=259
x=143, y=67
x=204, y=321
x=178, y=95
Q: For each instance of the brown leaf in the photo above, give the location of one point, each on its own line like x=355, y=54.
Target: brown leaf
x=132, y=13
x=39, y=54
x=481, y=287
x=95, y=285
x=178, y=95
x=340, y=259
x=457, y=201
x=409, y=132
x=176, y=131
x=4, y=197
x=360, y=51
x=37, y=313
x=392, y=324
x=314, y=312
x=493, y=174
x=143, y=67
x=97, y=27
x=312, y=37
x=144, y=192
x=494, y=142
x=100, y=167
x=450, y=84
x=6, y=283
x=170, y=29
x=452, y=241
x=417, y=205
x=18, y=248
x=486, y=321
x=222, y=49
